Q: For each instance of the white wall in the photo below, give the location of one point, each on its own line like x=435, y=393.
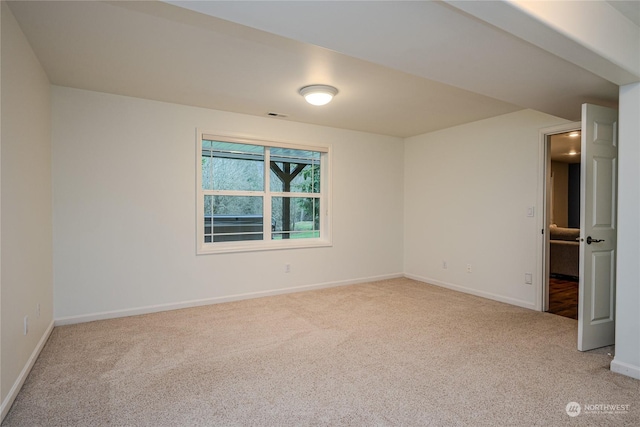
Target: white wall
x=26, y=224
x=467, y=190
x=627, y=358
x=124, y=208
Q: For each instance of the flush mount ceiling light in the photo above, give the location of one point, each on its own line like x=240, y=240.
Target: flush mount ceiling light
x=574, y=134
x=318, y=94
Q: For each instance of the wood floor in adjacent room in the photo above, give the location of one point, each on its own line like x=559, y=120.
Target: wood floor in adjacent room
x=563, y=297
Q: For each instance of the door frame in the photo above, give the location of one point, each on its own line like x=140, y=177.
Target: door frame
x=544, y=194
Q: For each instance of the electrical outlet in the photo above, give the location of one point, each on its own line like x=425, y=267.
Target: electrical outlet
x=287, y=268
x=468, y=268
x=444, y=265
x=26, y=325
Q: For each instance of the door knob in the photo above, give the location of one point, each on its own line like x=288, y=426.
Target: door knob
x=590, y=240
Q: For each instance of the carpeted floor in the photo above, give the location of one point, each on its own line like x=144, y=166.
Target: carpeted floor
x=394, y=352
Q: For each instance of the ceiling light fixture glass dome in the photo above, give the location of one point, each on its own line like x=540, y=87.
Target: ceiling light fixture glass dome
x=318, y=94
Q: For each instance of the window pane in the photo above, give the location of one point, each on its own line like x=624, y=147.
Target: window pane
x=234, y=218
x=295, y=217
x=295, y=156
x=295, y=170
x=230, y=166
x=207, y=171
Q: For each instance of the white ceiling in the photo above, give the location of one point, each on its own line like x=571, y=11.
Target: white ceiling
x=630, y=9
x=402, y=68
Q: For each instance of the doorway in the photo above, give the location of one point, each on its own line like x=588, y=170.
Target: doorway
x=562, y=221
x=598, y=226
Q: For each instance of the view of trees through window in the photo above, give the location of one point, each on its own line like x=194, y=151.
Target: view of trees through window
x=235, y=185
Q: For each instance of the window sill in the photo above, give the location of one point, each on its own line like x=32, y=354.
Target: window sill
x=234, y=247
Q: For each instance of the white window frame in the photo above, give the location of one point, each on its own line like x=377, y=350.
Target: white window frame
x=267, y=243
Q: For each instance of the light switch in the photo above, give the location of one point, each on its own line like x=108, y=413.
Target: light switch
x=531, y=211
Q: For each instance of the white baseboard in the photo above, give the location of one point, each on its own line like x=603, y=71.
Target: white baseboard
x=488, y=295
x=17, y=385
x=70, y=320
x=625, y=369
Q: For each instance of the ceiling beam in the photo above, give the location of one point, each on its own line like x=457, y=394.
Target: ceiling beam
x=591, y=34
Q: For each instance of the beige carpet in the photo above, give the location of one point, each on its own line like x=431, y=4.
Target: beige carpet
x=394, y=352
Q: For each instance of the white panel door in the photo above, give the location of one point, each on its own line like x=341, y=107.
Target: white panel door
x=596, y=310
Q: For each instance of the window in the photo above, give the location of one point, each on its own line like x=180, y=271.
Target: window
x=257, y=195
